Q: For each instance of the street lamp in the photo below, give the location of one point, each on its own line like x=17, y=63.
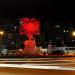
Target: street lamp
x=1, y=34
x=73, y=38
x=73, y=33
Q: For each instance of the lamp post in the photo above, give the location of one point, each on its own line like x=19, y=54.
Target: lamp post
x=1, y=34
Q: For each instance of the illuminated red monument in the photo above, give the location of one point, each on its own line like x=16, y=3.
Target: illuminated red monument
x=29, y=27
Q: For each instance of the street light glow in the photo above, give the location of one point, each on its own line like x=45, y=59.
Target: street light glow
x=73, y=33
x=1, y=32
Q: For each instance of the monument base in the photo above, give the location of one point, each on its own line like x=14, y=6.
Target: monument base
x=30, y=47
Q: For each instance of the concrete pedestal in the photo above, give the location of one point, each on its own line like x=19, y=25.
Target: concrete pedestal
x=30, y=47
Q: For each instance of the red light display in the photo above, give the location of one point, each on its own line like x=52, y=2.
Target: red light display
x=29, y=27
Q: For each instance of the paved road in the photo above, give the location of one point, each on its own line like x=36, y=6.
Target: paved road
x=17, y=71
x=51, y=61
x=38, y=66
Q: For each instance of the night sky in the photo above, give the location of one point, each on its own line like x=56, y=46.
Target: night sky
x=45, y=9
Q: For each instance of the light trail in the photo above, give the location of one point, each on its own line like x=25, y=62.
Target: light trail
x=37, y=67
x=35, y=61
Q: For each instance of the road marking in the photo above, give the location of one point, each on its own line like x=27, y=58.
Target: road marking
x=37, y=67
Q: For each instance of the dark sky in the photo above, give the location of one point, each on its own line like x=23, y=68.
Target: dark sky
x=50, y=9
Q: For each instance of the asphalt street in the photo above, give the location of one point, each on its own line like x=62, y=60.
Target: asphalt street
x=37, y=66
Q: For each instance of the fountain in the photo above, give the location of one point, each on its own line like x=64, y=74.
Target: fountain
x=30, y=28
